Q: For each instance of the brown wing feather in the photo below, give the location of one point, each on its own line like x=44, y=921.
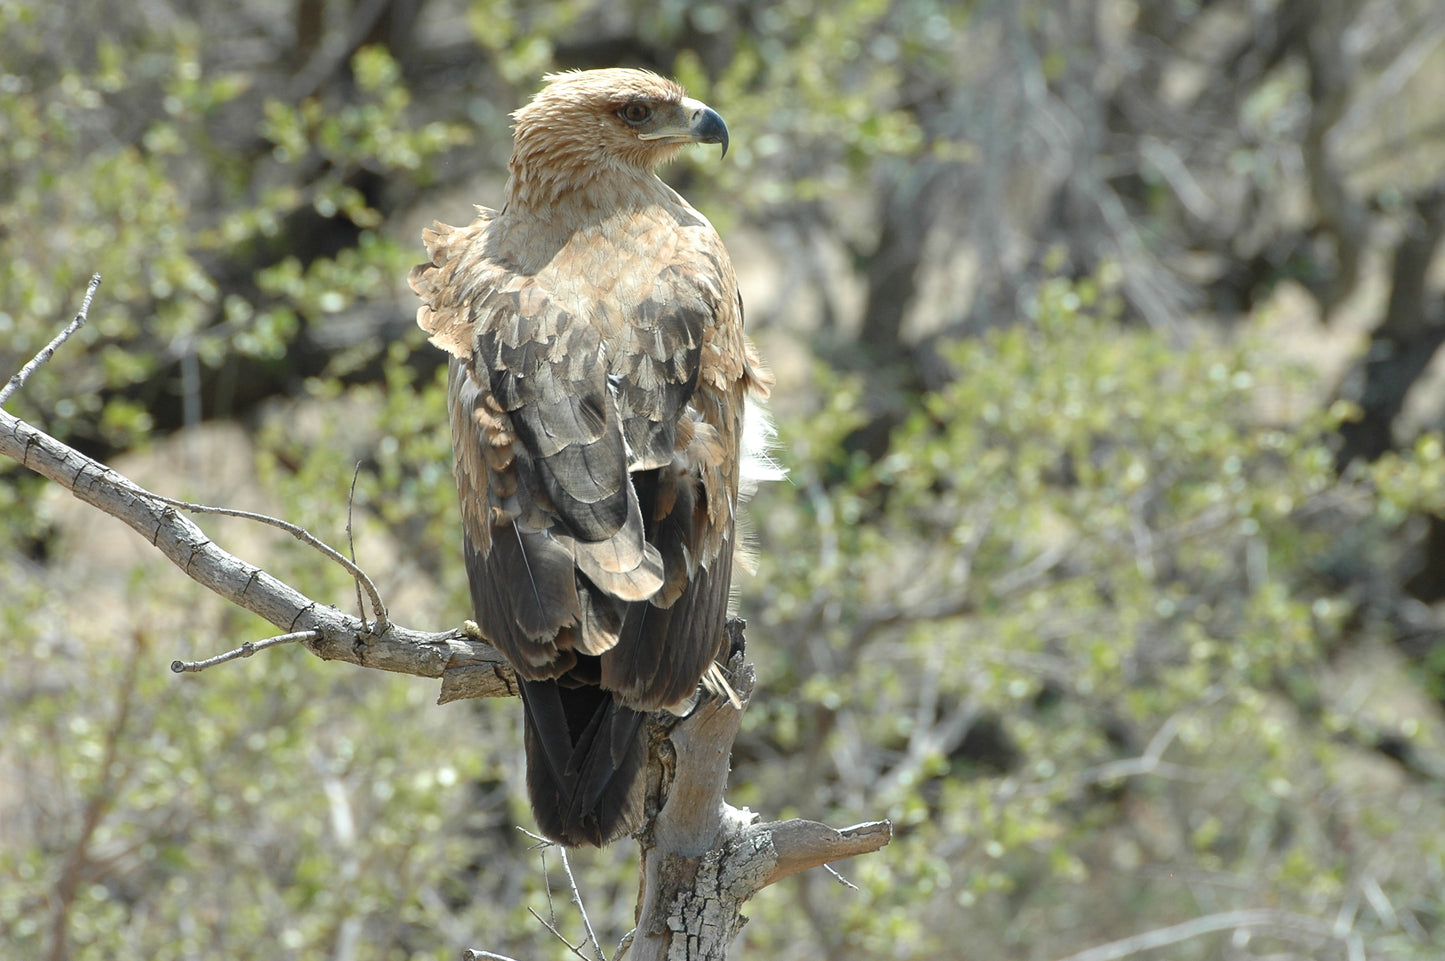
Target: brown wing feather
x=657, y=363
x=547, y=371
x=596, y=407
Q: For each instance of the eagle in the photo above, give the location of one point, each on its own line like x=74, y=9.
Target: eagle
x=597, y=388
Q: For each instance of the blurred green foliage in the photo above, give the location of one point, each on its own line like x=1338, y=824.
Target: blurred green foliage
x=1099, y=634
x=170, y=205
x=1091, y=545
x=238, y=817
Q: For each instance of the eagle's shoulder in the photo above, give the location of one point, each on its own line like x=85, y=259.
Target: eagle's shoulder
x=460, y=268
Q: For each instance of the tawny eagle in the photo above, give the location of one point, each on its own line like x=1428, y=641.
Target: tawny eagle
x=597, y=388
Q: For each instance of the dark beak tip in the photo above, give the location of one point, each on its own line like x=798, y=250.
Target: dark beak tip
x=711, y=128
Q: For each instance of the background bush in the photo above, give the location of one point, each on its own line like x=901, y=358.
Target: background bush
x=1110, y=558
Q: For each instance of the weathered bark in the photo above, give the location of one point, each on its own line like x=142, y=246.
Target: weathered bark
x=702, y=858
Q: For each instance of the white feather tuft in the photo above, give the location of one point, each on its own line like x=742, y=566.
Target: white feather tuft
x=759, y=439
x=758, y=465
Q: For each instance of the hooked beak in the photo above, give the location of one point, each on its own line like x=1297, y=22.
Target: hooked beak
x=707, y=124
x=699, y=123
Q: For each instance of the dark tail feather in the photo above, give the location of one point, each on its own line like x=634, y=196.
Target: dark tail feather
x=584, y=761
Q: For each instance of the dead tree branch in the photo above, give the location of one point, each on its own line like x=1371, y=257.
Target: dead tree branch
x=310, y=540
x=245, y=650
x=336, y=636
x=702, y=858
x=23, y=374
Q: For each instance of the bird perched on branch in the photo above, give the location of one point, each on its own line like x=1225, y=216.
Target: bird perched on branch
x=598, y=381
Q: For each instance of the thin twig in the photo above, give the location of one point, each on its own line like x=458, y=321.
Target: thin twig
x=541, y=842
x=547, y=886
x=18, y=381
x=476, y=954
x=839, y=877
x=550, y=922
x=301, y=534
x=574, y=948
x=541, y=845
x=1283, y=921
x=581, y=909
x=245, y=650
x=351, y=543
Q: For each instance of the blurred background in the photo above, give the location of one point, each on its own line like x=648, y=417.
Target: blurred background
x=1111, y=561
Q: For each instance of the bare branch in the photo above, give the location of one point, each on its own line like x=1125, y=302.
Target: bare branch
x=701, y=858
x=18, y=381
x=799, y=845
x=351, y=545
x=1282, y=921
x=581, y=908
x=551, y=927
x=479, y=670
x=245, y=650
x=307, y=538
x=540, y=843
x=838, y=876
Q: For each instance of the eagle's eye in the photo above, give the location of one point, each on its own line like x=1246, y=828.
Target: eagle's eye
x=636, y=113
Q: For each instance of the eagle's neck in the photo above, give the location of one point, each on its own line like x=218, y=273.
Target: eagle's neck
x=577, y=197
x=570, y=182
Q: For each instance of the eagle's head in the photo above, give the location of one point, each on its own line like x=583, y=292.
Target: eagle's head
x=591, y=123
